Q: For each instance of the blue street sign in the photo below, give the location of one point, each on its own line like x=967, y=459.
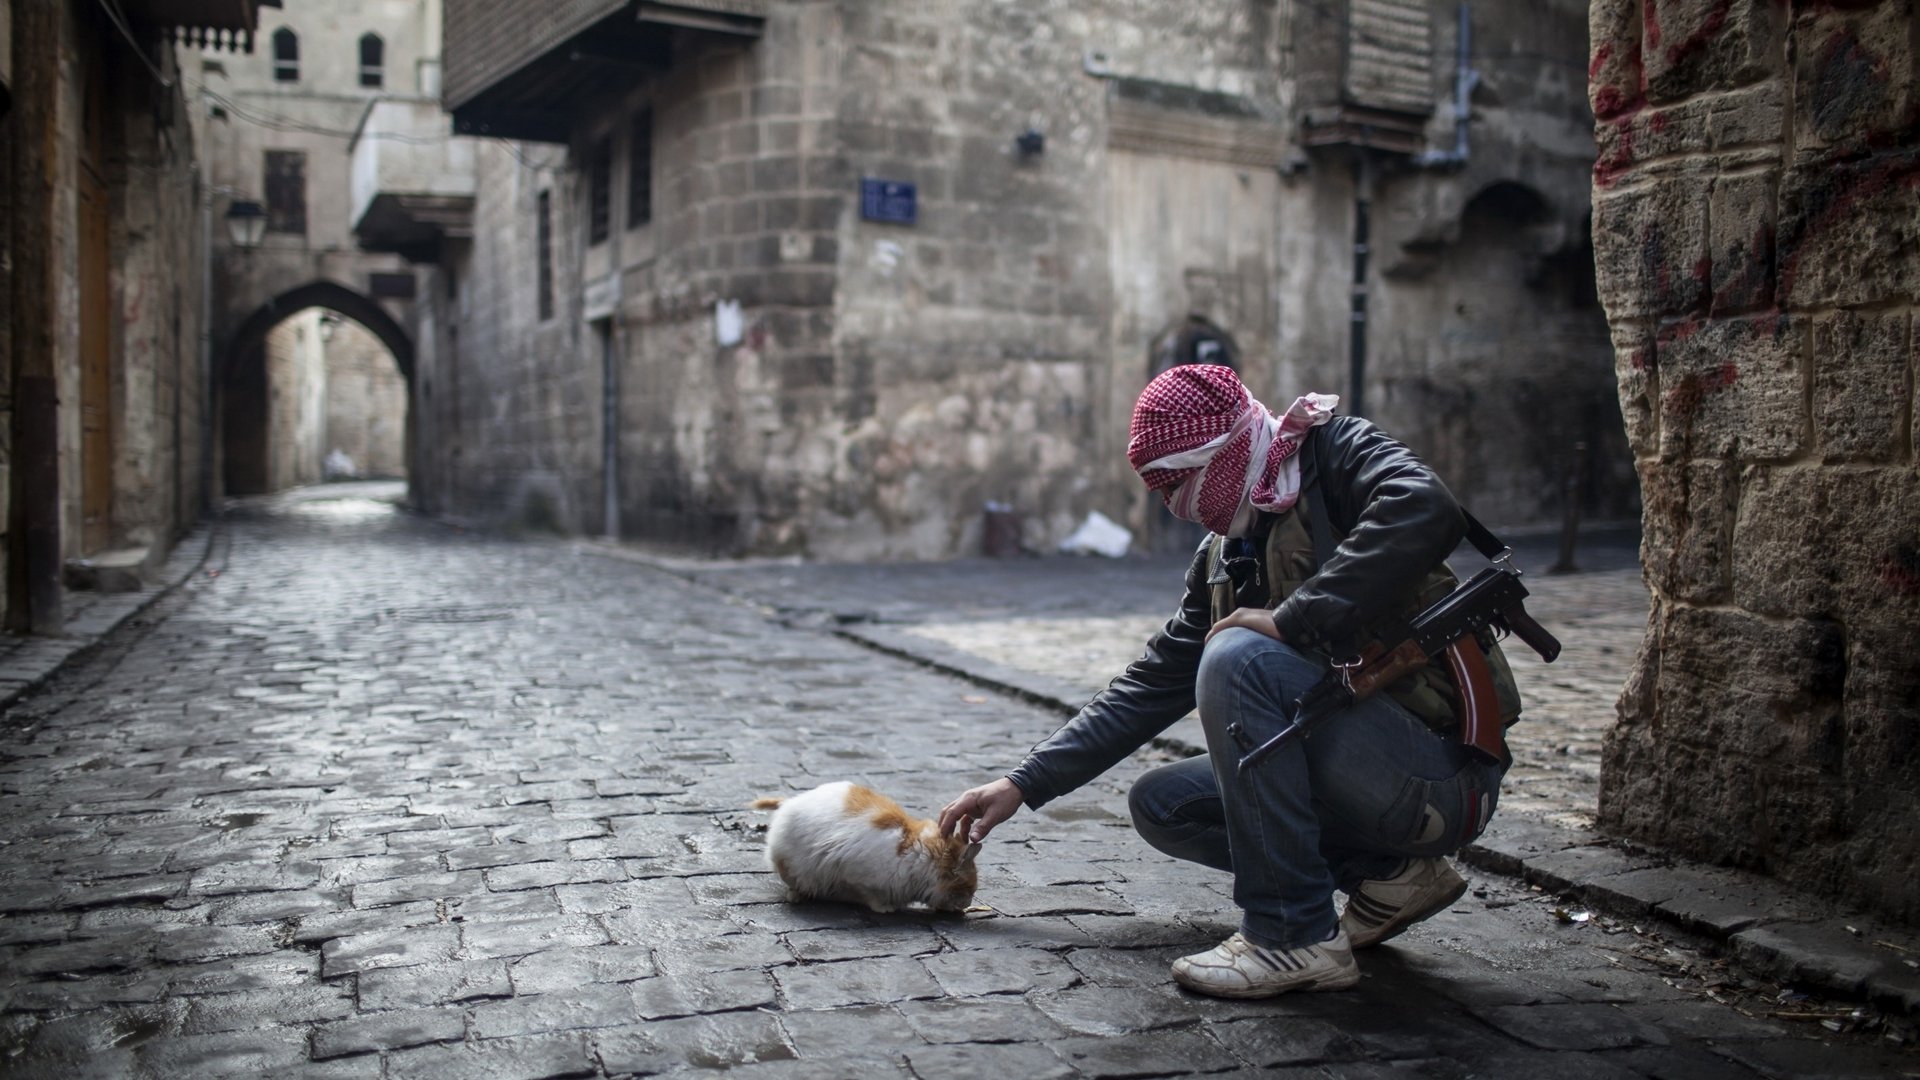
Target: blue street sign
x=888, y=200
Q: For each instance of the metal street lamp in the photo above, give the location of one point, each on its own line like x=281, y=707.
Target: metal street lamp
x=246, y=223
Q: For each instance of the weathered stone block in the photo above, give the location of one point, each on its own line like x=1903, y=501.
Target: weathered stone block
x=1732, y=388
x=1650, y=248
x=1689, y=521
x=1741, y=244
x=1694, y=45
x=1860, y=402
x=1839, y=542
x=1613, y=71
x=1639, y=383
x=1854, y=76
x=1848, y=233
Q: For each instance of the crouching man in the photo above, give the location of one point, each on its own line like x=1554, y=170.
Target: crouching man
x=1370, y=804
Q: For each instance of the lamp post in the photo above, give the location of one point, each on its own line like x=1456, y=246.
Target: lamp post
x=246, y=223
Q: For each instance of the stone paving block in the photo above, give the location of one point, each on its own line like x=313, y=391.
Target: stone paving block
x=828, y=1033
x=1029, y=1061
x=560, y=969
x=184, y=944
x=367, y=869
x=1146, y=933
x=444, y=983
x=243, y=1011
x=278, y=906
x=1292, y=1041
x=268, y=971
x=784, y=918
x=722, y=952
x=486, y=855
x=222, y=879
x=704, y=1044
x=979, y=1020
x=255, y=1052
x=1572, y=1026
x=1001, y=971
x=1124, y=967
x=855, y=982
x=999, y=932
x=1161, y=1052
x=1057, y=900
x=1091, y=1010
x=602, y=1005
x=669, y=996
x=438, y=886
x=483, y=939
x=325, y=925
x=493, y=907
x=528, y=1057
x=388, y=948
x=668, y=896
x=35, y=929
x=811, y=945
x=750, y=888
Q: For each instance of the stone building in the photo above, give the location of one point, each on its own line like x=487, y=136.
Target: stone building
x=1759, y=257
x=103, y=215
x=827, y=277
x=336, y=102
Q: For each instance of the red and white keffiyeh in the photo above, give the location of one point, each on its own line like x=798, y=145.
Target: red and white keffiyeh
x=1214, y=453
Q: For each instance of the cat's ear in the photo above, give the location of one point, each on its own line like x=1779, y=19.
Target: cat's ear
x=972, y=852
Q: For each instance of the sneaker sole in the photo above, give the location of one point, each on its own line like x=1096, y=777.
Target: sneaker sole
x=1338, y=982
x=1395, y=926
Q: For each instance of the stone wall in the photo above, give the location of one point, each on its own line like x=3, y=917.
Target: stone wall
x=893, y=379
x=1759, y=257
x=366, y=404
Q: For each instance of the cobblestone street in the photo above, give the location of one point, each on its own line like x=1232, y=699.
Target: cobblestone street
x=371, y=796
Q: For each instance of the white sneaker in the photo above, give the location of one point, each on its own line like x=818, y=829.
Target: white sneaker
x=1378, y=910
x=1237, y=968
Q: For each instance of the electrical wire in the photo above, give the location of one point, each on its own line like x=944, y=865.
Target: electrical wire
x=120, y=23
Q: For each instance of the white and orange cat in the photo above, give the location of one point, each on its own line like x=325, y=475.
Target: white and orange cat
x=845, y=842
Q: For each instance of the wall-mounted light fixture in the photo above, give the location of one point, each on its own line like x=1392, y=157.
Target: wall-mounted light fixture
x=329, y=323
x=246, y=223
x=1030, y=143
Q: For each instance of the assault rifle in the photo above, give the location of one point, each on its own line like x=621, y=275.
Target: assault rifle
x=1491, y=600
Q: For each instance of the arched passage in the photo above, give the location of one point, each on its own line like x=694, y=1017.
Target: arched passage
x=260, y=451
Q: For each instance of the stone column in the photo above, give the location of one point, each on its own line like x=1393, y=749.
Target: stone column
x=1757, y=235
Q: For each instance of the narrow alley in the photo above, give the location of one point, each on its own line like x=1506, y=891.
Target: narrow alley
x=372, y=796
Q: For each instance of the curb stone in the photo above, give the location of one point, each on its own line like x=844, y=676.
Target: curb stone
x=27, y=662
x=1767, y=929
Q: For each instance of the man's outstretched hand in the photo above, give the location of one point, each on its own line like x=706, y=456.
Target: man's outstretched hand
x=987, y=805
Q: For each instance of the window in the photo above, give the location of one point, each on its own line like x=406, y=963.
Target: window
x=640, y=170
x=286, y=191
x=373, y=57
x=600, y=191
x=543, y=255
x=286, y=56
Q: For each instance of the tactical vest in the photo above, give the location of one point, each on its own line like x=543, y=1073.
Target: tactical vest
x=1288, y=559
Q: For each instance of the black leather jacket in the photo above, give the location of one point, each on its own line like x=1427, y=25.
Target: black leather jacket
x=1396, y=521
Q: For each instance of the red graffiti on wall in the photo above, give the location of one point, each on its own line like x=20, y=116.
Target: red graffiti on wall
x=1900, y=570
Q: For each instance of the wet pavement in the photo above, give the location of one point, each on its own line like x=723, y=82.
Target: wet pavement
x=369, y=796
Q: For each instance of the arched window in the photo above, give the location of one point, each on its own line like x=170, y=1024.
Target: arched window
x=373, y=59
x=286, y=55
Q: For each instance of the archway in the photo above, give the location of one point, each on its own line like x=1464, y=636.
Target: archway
x=312, y=369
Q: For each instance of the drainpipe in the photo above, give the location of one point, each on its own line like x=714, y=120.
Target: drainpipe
x=1357, y=334
x=1464, y=80
x=206, y=339
x=611, y=352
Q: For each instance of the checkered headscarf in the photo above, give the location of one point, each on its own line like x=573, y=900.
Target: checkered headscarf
x=1214, y=453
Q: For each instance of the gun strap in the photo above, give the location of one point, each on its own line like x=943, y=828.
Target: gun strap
x=1481, y=537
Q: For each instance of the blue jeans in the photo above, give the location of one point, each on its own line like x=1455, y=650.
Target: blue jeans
x=1365, y=791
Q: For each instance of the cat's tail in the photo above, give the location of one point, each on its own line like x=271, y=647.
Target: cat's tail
x=765, y=802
